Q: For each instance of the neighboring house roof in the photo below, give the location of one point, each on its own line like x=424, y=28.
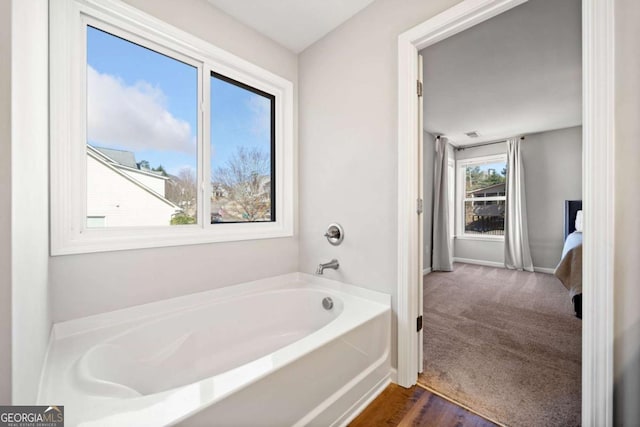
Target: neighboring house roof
x=123, y=159
x=100, y=157
x=490, y=189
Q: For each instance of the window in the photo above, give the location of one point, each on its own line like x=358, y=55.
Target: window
x=142, y=113
x=160, y=139
x=481, y=197
x=242, y=165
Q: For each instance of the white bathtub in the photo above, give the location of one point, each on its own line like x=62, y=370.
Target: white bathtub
x=261, y=353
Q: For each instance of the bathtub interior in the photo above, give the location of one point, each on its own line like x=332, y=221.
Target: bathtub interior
x=182, y=349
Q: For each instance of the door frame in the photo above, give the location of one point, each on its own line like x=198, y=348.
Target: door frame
x=598, y=191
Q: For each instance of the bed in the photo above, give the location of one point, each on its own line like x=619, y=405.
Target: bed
x=569, y=270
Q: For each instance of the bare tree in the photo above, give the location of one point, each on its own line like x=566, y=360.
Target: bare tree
x=182, y=190
x=246, y=181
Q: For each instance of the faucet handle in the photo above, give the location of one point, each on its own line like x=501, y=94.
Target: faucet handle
x=334, y=234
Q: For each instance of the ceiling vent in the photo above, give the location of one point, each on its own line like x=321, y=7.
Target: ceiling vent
x=472, y=134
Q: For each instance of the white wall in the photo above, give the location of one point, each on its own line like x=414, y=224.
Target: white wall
x=5, y=203
x=627, y=216
x=553, y=174
x=94, y=283
x=348, y=144
x=428, y=165
x=485, y=251
x=31, y=319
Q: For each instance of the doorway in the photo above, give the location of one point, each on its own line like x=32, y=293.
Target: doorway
x=504, y=343
x=597, y=162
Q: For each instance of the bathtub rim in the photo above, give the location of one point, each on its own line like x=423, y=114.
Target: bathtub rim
x=149, y=311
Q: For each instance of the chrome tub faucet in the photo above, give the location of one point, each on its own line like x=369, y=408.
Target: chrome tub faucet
x=333, y=264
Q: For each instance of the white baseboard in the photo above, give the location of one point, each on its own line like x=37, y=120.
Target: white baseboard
x=479, y=262
x=426, y=271
x=498, y=264
x=393, y=375
x=362, y=404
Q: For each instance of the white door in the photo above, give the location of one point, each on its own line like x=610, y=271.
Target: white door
x=420, y=203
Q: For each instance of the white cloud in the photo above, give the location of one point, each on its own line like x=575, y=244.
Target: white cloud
x=260, y=108
x=134, y=117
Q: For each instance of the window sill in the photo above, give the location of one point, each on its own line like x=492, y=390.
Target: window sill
x=106, y=240
x=482, y=238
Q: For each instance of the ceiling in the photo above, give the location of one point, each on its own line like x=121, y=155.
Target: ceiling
x=295, y=24
x=517, y=73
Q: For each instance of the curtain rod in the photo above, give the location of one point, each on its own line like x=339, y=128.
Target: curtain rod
x=480, y=144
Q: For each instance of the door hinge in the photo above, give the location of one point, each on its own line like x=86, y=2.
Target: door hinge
x=419, y=323
x=419, y=88
x=420, y=206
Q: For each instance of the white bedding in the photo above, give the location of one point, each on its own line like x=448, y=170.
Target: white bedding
x=574, y=239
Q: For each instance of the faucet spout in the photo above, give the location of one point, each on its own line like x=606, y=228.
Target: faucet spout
x=333, y=264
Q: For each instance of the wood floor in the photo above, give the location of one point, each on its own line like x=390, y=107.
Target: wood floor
x=398, y=406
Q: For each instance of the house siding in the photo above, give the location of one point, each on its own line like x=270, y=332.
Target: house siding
x=122, y=202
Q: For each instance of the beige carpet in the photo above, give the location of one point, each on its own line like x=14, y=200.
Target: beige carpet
x=504, y=343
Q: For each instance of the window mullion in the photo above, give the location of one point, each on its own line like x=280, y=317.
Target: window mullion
x=205, y=160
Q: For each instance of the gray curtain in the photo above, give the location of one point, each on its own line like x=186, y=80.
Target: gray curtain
x=517, y=254
x=441, y=254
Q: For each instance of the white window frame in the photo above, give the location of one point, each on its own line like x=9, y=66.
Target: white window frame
x=461, y=167
x=69, y=233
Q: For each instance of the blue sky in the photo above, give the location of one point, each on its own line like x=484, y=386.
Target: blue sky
x=495, y=166
x=145, y=102
x=238, y=117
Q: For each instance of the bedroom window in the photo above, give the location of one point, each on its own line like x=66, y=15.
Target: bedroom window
x=160, y=139
x=481, y=197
